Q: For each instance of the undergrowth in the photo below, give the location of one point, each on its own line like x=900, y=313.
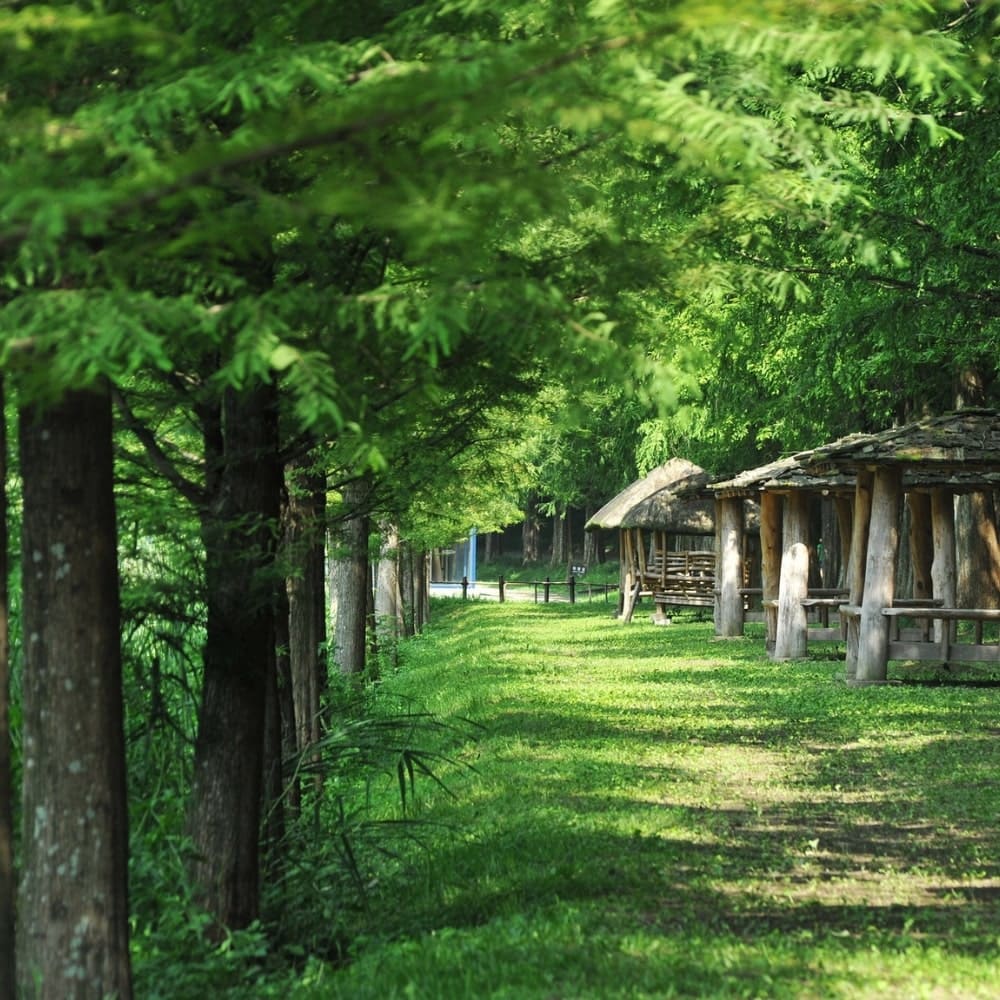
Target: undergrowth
x=631, y=811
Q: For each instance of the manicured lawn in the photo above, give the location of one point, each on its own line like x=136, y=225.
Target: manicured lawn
x=649, y=812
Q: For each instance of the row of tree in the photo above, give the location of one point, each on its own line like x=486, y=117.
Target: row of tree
x=278, y=275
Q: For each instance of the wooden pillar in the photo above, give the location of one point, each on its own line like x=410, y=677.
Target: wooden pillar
x=880, y=577
x=770, y=559
x=793, y=584
x=844, y=507
x=729, y=560
x=856, y=564
x=626, y=576
x=944, y=574
x=921, y=544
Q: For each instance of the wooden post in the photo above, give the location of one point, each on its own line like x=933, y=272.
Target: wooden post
x=770, y=559
x=546, y=586
x=880, y=577
x=944, y=574
x=921, y=544
x=856, y=564
x=729, y=562
x=845, y=528
x=501, y=586
x=572, y=588
x=793, y=584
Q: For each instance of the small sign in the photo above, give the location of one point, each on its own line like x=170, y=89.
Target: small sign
x=578, y=570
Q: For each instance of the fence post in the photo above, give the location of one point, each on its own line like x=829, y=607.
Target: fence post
x=465, y=587
x=572, y=588
x=546, y=586
x=502, y=584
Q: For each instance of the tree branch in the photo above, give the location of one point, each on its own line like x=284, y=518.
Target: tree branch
x=159, y=458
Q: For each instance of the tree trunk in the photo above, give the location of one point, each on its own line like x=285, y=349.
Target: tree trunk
x=591, y=543
x=530, y=533
x=388, y=589
x=305, y=558
x=73, y=913
x=7, y=887
x=979, y=567
x=238, y=527
x=286, y=699
x=349, y=583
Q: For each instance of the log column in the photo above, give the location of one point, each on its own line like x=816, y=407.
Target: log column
x=944, y=574
x=921, y=544
x=770, y=560
x=729, y=564
x=880, y=577
x=793, y=585
x=856, y=564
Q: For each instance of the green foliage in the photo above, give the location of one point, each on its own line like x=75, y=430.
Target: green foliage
x=654, y=813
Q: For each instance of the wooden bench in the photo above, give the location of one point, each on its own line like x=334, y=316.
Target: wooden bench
x=945, y=647
x=818, y=603
x=682, y=579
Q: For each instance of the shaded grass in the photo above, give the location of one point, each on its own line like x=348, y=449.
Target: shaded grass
x=655, y=813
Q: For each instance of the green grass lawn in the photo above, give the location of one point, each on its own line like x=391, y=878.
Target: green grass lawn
x=650, y=812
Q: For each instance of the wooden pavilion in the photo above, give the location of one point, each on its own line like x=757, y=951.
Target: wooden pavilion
x=785, y=491
x=932, y=460
x=651, y=515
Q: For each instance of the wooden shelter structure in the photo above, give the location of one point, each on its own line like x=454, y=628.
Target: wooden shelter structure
x=785, y=489
x=932, y=460
x=650, y=514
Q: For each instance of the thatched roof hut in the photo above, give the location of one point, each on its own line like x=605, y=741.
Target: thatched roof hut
x=663, y=500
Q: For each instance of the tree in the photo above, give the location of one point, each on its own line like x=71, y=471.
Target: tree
x=8, y=973
x=73, y=912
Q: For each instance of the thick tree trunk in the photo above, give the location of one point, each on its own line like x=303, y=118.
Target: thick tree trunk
x=349, y=583
x=7, y=886
x=73, y=913
x=238, y=530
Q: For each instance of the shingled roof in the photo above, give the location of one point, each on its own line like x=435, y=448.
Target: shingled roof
x=655, y=501
x=784, y=474
x=965, y=442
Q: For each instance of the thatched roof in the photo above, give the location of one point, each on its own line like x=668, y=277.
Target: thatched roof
x=966, y=441
x=654, y=502
x=667, y=510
